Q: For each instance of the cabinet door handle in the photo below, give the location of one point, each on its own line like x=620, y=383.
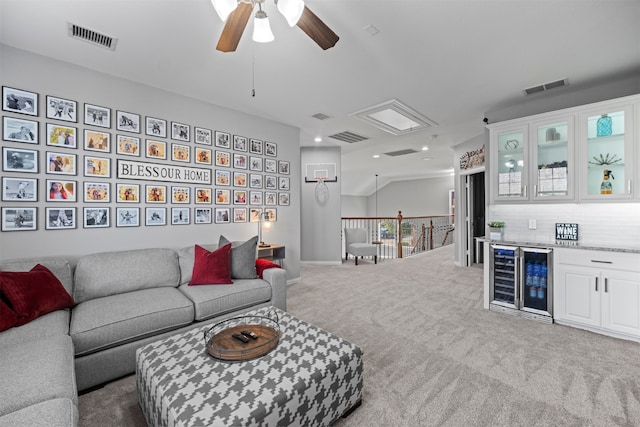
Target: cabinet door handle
x=601, y=262
x=535, y=190
x=606, y=285
x=629, y=186
x=524, y=189
x=596, y=284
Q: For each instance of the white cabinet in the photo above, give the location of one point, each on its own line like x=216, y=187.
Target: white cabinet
x=599, y=291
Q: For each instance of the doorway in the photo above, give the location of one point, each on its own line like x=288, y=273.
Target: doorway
x=474, y=223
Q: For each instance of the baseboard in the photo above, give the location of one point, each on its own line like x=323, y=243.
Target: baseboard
x=321, y=263
x=292, y=282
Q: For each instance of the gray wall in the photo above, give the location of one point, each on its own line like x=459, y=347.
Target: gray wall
x=418, y=197
x=321, y=223
x=23, y=70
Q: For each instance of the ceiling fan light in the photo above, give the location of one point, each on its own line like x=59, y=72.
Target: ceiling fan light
x=261, y=28
x=291, y=10
x=224, y=8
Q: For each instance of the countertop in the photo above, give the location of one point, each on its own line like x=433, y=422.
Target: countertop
x=568, y=244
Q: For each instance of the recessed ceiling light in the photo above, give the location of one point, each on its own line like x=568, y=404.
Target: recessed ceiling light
x=375, y=156
x=425, y=148
x=318, y=139
x=427, y=158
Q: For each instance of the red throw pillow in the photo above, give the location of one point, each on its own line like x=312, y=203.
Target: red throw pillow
x=8, y=319
x=263, y=264
x=34, y=293
x=211, y=268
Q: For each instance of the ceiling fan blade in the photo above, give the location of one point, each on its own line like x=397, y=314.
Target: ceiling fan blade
x=317, y=30
x=233, y=29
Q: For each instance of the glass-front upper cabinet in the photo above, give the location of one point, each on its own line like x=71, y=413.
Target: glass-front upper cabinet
x=552, y=143
x=606, y=147
x=510, y=174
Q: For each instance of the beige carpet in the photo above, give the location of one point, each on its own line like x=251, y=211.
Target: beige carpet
x=433, y=356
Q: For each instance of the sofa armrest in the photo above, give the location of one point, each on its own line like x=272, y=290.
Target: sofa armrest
x=277, y=278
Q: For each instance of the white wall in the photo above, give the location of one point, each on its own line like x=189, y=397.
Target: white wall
x=23, y=70
x=354, y=206
x=418, y=197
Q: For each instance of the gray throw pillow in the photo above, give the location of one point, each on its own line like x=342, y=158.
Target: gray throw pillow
x=243, y=257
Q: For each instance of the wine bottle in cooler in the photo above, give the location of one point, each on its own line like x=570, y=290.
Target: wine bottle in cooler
x=543, y=281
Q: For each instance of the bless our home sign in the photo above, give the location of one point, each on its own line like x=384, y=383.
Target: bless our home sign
x=566, y=231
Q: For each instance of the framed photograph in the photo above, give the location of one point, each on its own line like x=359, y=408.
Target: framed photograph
x=270, y=198
x=155, y=216
x=240, y=143
x=127, y=145
x=62, y=109
x=180, y=194
x=96, y=217
x=180, y=216
x=270, y=182
x=239, y=214
x=155, y=127
x=60, y=218
x=97, y=166
x=223, y=158
x=255, y=146
x=270, y=149
x=283, y=199
x=19, y=219
x=283, y=183
x=270, y=166
x=223, y=197
x=19, y=160
x=202, y=136
x=283, y=167
x=222, y=215
x=180, y=153
x=96, y=192
x=61, y=163
x=19, y=101
x=239, y=197
x=255, y=180
x=156, y=193
x=128, y=193
x=239, y=161
x=19, y=189
x=128, y=122
x=97, y=141
x=61, y=191
x=20, y=130
x=255, y=163
x=61, y=136
x=203, y=156
x=223, y=139
x=156, y=149
x=223, y=177
x=180, y=132
x=127, y=217
x=203, y=215
x=255, y=197
x=203, y=195
x=240, y=179
x=272, y=214
x=254, y=214
x=97, y=116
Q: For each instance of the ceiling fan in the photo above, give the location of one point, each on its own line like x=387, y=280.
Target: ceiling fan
x=236, y=14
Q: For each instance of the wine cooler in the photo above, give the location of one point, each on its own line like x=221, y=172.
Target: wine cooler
x=521, y=281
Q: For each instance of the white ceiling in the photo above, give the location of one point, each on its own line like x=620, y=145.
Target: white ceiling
x=451, y=60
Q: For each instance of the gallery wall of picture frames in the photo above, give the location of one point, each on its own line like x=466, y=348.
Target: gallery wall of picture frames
x=78, y=147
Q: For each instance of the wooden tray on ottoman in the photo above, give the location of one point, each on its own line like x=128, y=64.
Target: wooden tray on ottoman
x=222, y=345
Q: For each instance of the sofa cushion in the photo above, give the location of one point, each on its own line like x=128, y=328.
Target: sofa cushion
x=60, y=267
x=8, y=318
x=113, y=320
x=211, y=268
x=111, y=273
x=263, y=264
x=36, y=371
x=54, y=323
x=211, y=301
x=51, y=413
x=186, y=260
x=243, y=257
x=33, y=293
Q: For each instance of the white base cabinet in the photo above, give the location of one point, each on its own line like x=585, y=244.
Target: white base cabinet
x=599, y=291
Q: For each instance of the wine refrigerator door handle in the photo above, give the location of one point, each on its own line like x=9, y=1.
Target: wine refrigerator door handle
x=596, y=284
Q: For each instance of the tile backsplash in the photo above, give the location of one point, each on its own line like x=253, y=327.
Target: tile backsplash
x=607, y=224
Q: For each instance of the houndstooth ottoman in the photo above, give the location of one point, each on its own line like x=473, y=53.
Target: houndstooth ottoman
x=310, y=379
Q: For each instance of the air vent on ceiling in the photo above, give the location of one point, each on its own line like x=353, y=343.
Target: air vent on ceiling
x=320, y=116
x=91, y=36
x=349, y=137
x=401, y=152
x=546, y=86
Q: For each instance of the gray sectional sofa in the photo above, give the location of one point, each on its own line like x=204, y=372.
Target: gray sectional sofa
x=123, y=300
